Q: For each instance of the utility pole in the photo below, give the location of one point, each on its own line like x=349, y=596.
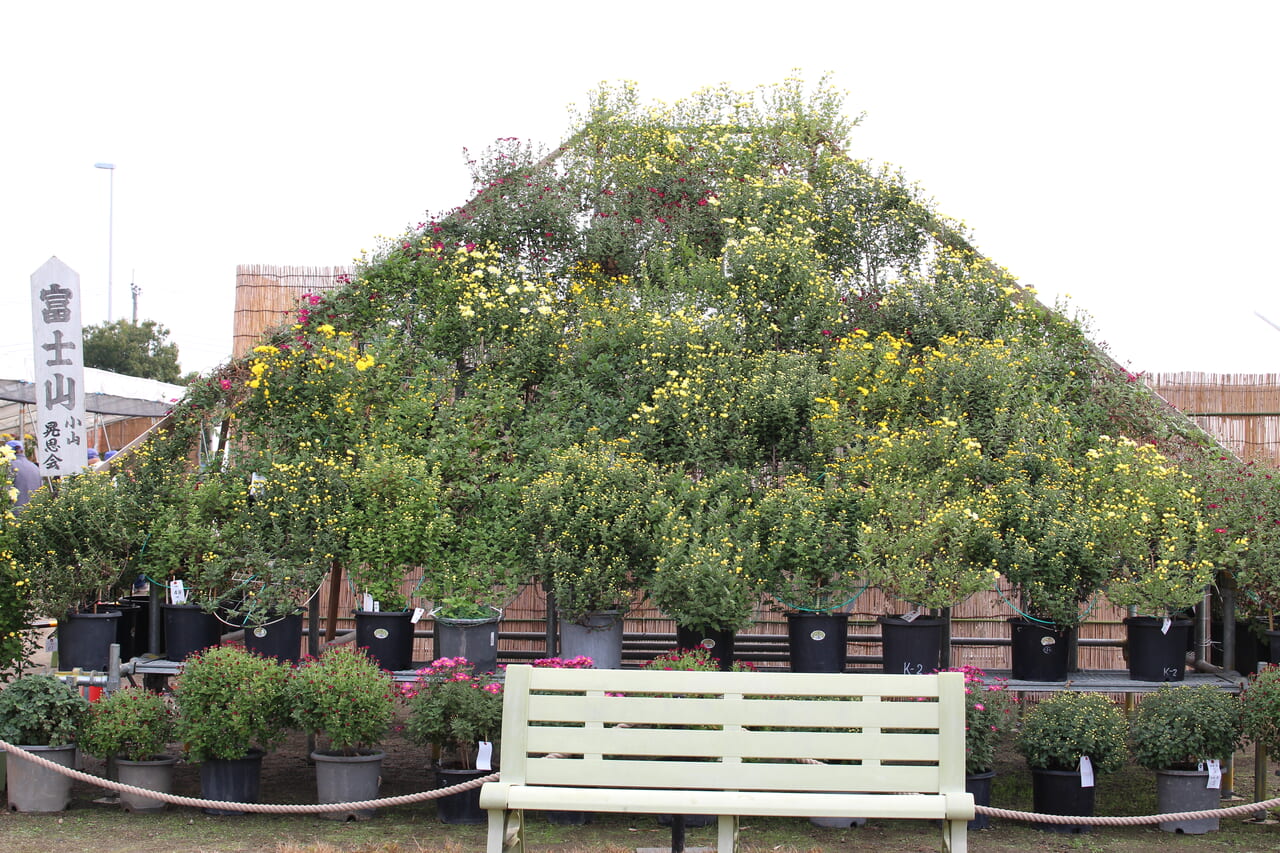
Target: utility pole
x=135, y=290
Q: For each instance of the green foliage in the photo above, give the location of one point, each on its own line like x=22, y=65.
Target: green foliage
x=394, y=523
x=1049, y=543
x=1176, y=728
x=1242, y=527
x=283, y=529
x=39, y=710
x=1260, y=709
x=75, y=544
x=182, y=515
x=453, y=708
x=1056, y=732
x=706, y=574
x=129, y=723
x=132, y=349
x=929, y=537
x=710, y=288
x=589, y=521
x=15, y=606
x=229, y=701
x=807, y=539
x=345, y=697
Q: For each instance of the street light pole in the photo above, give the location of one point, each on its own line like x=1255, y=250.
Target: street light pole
x=111, y=211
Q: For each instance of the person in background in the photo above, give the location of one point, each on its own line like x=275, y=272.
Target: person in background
x=26, y=476
x=91, y=455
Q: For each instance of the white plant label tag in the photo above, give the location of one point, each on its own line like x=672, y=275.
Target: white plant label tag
x=484, y=756
x=1215, y=773
x=366, y=603
x=177, y=592
x=1166, y=625
x=377, y=607
x=1086, y=772
x=418, y=613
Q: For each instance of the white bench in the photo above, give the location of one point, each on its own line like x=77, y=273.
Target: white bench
x=730, y=744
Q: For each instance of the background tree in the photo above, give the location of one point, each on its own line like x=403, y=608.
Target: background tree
x=134, y=349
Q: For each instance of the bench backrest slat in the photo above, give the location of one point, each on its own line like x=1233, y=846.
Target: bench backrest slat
x=754, y=745
x=798, y=712
x=750, y=729
x=615, y=773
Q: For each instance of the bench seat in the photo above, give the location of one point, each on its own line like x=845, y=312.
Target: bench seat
x=756, y=803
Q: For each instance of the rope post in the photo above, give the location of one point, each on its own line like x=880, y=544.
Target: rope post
x=1259, y=778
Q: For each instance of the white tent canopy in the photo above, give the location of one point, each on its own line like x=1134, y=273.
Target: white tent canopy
x=108, y=397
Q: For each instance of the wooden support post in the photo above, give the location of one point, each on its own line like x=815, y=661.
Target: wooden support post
x=335, y=590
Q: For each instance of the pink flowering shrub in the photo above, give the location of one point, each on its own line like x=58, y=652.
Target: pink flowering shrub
x=453, y=708
x=989, y=716
x=580, y=662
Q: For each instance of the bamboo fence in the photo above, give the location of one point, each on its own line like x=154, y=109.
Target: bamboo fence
x=1240, y=410
x=269, y=296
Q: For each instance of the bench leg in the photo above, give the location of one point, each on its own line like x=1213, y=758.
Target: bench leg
x=955, y=835
x=506, y=831
x=727, y=834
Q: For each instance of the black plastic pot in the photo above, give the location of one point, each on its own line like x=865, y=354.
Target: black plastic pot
x=84, y=640
x=188, y=629
x=818, y=642
x=911, y=648
x=235, y=780
x=281, y=639
x=388, y=635
x=1156, y=654
x=143, y=634
x=473, y=639
x=979, y=784
x=1039, y=651
x=1059, y=792
x=719, y=644
x=463, y=807
x=131, y=629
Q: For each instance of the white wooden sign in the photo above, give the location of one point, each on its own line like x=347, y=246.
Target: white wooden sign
x=59, y=359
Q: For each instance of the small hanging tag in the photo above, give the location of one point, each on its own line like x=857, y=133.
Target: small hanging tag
x=257, y=483
x=417, y=614
x=51, y=643
x=484, y=755
x=366, y=602
x=1086, y=772
x=1166, y=625
x=911, y=616
x=1215, y=773
x=177, y=592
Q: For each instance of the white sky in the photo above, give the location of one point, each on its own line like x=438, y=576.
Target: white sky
x=1122, y=152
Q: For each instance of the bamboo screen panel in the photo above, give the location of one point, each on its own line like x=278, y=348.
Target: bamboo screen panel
x=1240, y=410
x=269, y=296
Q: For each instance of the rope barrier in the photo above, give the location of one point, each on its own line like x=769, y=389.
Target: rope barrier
x=1249, y=809
x=261, y=808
